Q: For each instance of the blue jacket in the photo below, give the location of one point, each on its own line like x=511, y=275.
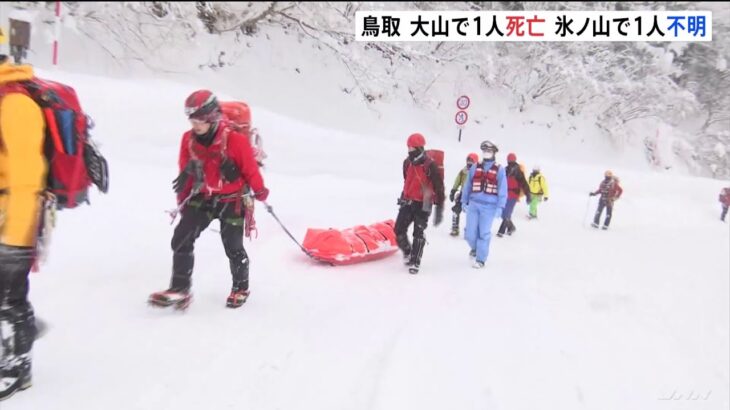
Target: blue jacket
x=482, y=198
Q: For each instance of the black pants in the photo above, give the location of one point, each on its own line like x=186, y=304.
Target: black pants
x=411, y=213
x=506, y=227
x=608, y=205
x=724, y=212
x=16, y=312
x=196, y=216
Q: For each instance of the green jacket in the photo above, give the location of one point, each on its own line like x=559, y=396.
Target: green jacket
x=460, y=179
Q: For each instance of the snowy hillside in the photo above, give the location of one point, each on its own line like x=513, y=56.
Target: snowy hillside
x=663, y=105
x=563, y=317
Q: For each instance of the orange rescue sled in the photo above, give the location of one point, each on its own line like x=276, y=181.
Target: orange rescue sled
x=358, y=244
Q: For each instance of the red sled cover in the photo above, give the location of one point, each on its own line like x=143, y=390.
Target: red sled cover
x=352, y=245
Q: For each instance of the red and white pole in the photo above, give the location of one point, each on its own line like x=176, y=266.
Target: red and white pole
x=57, y=33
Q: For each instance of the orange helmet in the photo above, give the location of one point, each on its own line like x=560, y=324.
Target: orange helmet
x=238, y=113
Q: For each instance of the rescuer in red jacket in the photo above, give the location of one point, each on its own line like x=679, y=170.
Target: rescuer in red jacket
x=216, y=164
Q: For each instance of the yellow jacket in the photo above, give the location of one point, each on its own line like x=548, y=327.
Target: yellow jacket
x=538, y=185
x=23, y=165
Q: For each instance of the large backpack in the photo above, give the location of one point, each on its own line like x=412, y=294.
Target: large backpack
x=74, y=162
x=437, y=156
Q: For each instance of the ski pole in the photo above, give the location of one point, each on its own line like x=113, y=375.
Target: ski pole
x=585, y=215
x=271, y=211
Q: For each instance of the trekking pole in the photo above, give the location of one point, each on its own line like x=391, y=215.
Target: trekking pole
x=585, y=215
x=271, y=211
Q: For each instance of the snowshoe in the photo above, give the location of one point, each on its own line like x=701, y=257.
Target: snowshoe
x=500, y=234
x=595, y=225
x=237, y=298
x=171, y=297
x=605, y=227
x=413, y=269
x=473, y=253
x=455, y=232
x=477, y=265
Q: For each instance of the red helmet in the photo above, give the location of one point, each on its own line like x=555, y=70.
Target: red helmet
x=473, y=157
x=416, y=140
x=202, y=105
x=511, y=157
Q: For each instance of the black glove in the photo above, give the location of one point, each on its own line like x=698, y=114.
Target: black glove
x=451, y=195
x=592, y=194
x=229, y=170
x=545, y=199
x=194, y=169
x=439, y=216
x=457, y=207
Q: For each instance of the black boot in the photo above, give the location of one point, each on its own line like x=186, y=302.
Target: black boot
x=405, y=247
x=15, y=374
x=182, y=271
x=416, y=254
x=511, y=227
x=455, y=225
x=502, y=228
x=15, y=377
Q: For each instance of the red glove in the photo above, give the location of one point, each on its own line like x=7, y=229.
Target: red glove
x=262, y=194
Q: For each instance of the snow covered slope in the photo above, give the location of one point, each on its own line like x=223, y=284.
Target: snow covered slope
x=562, y=317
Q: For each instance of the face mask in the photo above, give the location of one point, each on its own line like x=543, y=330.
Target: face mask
x=488, y=156
x=412, y=155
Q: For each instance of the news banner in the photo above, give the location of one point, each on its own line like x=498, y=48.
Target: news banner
x=533, y=26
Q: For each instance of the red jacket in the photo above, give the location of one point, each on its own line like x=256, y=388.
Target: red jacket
x=516, y=182
x=725, y=196
x=226, y=143
x=610, y=190
x=423, y=181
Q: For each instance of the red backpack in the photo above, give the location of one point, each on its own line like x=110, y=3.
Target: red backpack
x=437, y=156
x=74, y=162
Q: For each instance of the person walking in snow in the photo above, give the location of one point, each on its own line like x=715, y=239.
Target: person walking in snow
x=23, y=170
x=725, y=202
x=485, y=196
x=216, y=163
x=422, y=189
x=610, y=192
x=516, y=187
x=538, y=190
x=455, y=194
